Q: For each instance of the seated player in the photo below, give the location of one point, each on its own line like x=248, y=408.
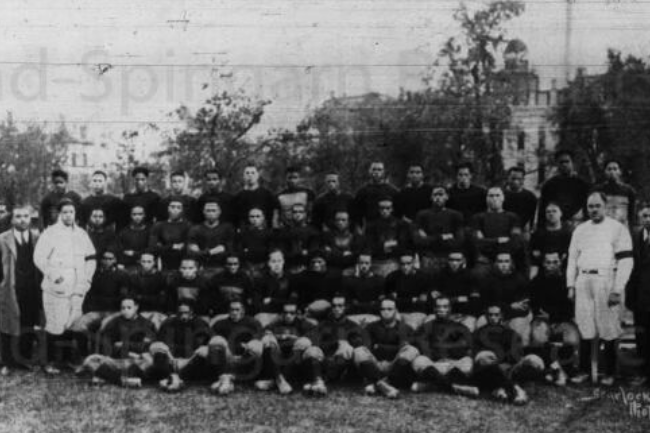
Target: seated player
x=315, y=286
x=385, y=360
x=272, y=290
x=437, y=230
x=133, y=239
x=363, y=290
x=386, y=236
x=125, y=340
x=232, y=283
x=235, y=350
x=445, y=358
x=188, y=283
x=149, y=286
x=458, y=284
x=254, y=241
x=212, y=240
x=174, y=353
x=108, y=286
x=554, y=335
x=504, y=286
x=341, y=244
x=100, y=232
x=409, y=287
x=499, y=360
x=297, y=239
x=285, y=342
x=332, y=350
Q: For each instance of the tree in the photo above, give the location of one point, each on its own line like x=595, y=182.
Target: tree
x=27, y=157
x=481, y=108
x=217, y=135
x=608, y=115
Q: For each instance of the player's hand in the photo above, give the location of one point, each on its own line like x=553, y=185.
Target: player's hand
x=571, y=293
x=217, y=250
x=447, y=236
x=58, y=280
x=301, y=344
x=129, y=253
x=503, y=239
x=266, y=301
x=422, y=234
x=435, y=294
x=614, y=299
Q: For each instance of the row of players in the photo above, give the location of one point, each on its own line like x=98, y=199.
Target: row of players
x=433, y=233
x=385, y=352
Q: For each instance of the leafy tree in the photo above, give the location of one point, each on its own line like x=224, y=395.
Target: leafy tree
x=478, y=106
x=608, y=116
x=27, y=156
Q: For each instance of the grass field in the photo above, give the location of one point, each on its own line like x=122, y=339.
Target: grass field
x=31, y=402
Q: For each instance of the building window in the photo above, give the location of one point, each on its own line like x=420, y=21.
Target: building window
x=74, y=159
x=521, y=140
x=85, y=159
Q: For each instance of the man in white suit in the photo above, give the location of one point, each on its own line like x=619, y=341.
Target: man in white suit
x=66, y=256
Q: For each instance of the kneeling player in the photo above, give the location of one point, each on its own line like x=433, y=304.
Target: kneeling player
x=446, y=348
x=332, y=349
x=388, y=354
x=285, y=342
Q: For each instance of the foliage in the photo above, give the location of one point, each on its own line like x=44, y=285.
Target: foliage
x=27, y=156
x=608, y=115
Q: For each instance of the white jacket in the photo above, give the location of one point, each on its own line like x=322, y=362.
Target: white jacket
x=68, y=253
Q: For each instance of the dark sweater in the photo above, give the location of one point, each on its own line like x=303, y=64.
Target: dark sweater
x=276, y=288
x=103, y=239
x=405, y=288
x=135, y=335
x=236, y=333
x=254, y=244
x=363, y=293
x=112, y=206
x=181, y=288
x=106, y=290
x=227, y=286
x=290, y=196
x=385, y=342
x=149, y=200
x=225, y=201
x=184, y=337
x=435, y=223
x=468, y=202
x=383, y=230
x=444, y=339
x=330, y=331
x=459, y=287
x=311, y=286
x=132, y=238
x=288, y=333
x=151, y=288
x=207, y=238
x=366, y=201
x=341, y=248
x=297, y=242
x=544, y=240
x=504, y=290
x=247, y=199
x=494, y=225
x=49, y=205
x=500, y=340
x=326, y=206
x=570, y=193
x=523, y=204
x=190, y=209
x=411, y=200
x=549, y=293
x=164, y=235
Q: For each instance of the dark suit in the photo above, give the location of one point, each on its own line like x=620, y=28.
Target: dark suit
x=638, y=295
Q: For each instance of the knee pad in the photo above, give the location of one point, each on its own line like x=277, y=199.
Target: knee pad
x=315, y=353
x=408, y=353
x=485, y=358
x=421, y=363
x=361, y=354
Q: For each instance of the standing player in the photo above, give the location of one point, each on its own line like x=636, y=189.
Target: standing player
x=141, y=195
x=133, y=239
x=111, y=205
x=177, y=191
x=464, y=196
x=621, y=197
x=213, y=191
x=169, y=238
x=333, y=200
x=599, y=266
x=255, y=196
x=415, y=196
x=50, y=204
x=294, y=194
x=366, y=201
x=519, y=200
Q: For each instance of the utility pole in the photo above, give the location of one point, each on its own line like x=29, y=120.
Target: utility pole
x=567, y=40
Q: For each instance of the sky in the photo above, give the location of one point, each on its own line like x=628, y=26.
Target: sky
x=116, y=65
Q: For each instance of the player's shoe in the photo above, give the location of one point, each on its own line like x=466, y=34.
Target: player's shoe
x=520, y=398
x=97, y=381
x=284, y=387
x=560, y=378
x=227, y=385
x=318, y=388
x=579, y=378
x=131, y=382
x=500, y=394
x=175, y=383
x=307, y=388
x=387, y=390
x=607, y=381
x=465, y=390
x=370, y=389
x=421, y=386
x=264, y=385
